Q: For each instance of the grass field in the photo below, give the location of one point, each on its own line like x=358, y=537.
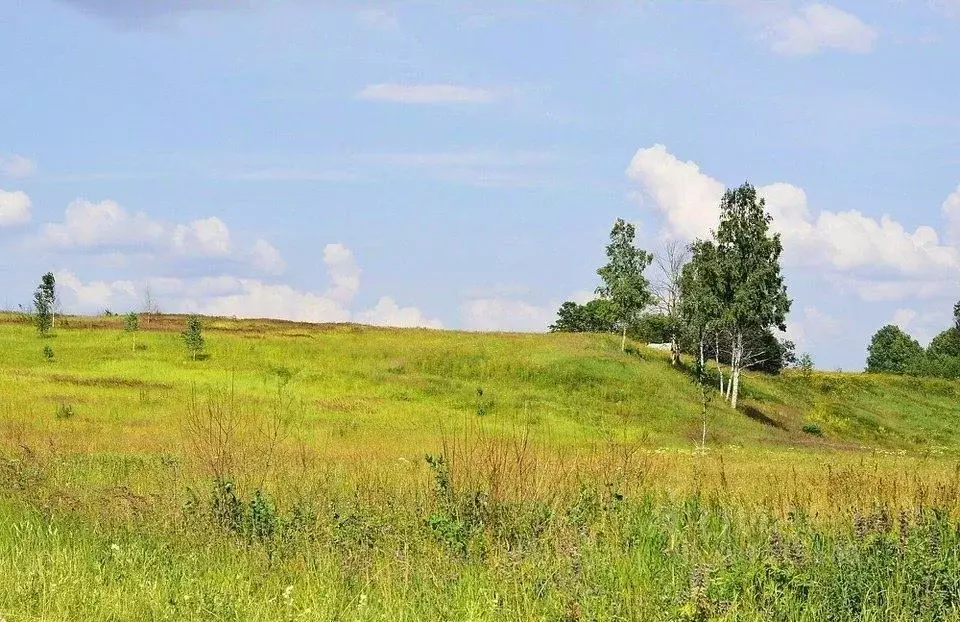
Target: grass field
x=353, y=473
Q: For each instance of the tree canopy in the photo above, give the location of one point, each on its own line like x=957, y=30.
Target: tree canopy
x=893, y=351
x=624, y=284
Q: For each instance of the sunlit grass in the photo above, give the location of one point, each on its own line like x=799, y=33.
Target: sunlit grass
x=571, y=487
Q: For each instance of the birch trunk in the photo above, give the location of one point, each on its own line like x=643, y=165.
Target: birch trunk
x=623, y=341
x=735, y=370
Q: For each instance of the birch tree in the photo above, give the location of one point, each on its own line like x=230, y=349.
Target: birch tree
x=751, y=289
x=668, y=289
x=624, y=284
x=699, y=306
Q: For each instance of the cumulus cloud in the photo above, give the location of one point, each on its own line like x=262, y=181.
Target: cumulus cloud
x=506, y=314
x=884, y=257
x=427, y=94
x=17, y=166
x=684, y=195
x=232, y=296
x=344, y=272
x=209, y=237
x=108, y=227
x=14, y=208
x=388, y=313
x=95, y=296
x=266, y=258
x=816, y=27
x=951, y=212
x=923, y=326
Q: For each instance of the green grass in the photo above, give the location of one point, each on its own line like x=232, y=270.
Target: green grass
x=571, y=489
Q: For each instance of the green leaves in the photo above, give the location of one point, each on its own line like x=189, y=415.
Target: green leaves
x=751, y=287
x=893, y=351
x=193, y=336
x=623, y=282
x=44, y=300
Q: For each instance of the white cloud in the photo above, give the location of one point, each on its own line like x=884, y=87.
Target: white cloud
x=261, y=300
x=885, y=256
x=685, y=196
x=507, y=314
x=344, y=272
x=951, y=212
x=104, y=224
x=266, y=258
x=923, y=326
x=820, y=26
x=14, y=208
x=427, y=94
x=249, y=298
x=209, y=237
x=95, y=296
x=107, y=227
x=17, y=166
x=893, y=289
x=388, y=313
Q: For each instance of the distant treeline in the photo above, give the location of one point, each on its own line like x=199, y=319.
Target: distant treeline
x=894, y=351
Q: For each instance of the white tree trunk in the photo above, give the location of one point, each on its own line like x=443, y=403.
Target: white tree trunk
x=623, y=341
x=736, y=362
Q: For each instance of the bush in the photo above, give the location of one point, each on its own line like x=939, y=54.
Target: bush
x=64, y=411
x=813, y=429
x=48, y=354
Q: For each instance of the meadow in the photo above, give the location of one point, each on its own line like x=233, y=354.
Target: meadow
x=344, y=472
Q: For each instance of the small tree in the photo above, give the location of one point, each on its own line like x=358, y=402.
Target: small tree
x=131, y=324
x=699, y=306
x=623, y=282
x=892, y=351
x=193, y=336
x=43, y=304
x=49, y=286
x=668, y=289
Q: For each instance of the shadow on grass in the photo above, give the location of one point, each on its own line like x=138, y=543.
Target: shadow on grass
x=760, y=417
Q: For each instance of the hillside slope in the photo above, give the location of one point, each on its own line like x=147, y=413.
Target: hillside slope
x=387, y=392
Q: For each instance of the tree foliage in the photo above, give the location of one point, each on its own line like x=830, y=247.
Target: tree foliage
x=624, y=284
x=596, y=316
x=44, y=300
x=893, y=351
x=193, y=336
x=750, y=288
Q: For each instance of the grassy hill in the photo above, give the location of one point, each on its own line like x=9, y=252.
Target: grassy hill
x=283, y=477
x=391, y=391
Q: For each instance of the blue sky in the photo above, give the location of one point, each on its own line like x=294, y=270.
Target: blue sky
x=459, y=164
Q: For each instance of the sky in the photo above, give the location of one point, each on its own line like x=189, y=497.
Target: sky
x=460, y=164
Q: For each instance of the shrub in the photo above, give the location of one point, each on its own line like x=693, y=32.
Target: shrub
x=48, y=354
x=64, y=411
x=813, y=429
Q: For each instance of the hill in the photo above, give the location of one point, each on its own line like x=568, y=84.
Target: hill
x=388, y=392
x=321, y=472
